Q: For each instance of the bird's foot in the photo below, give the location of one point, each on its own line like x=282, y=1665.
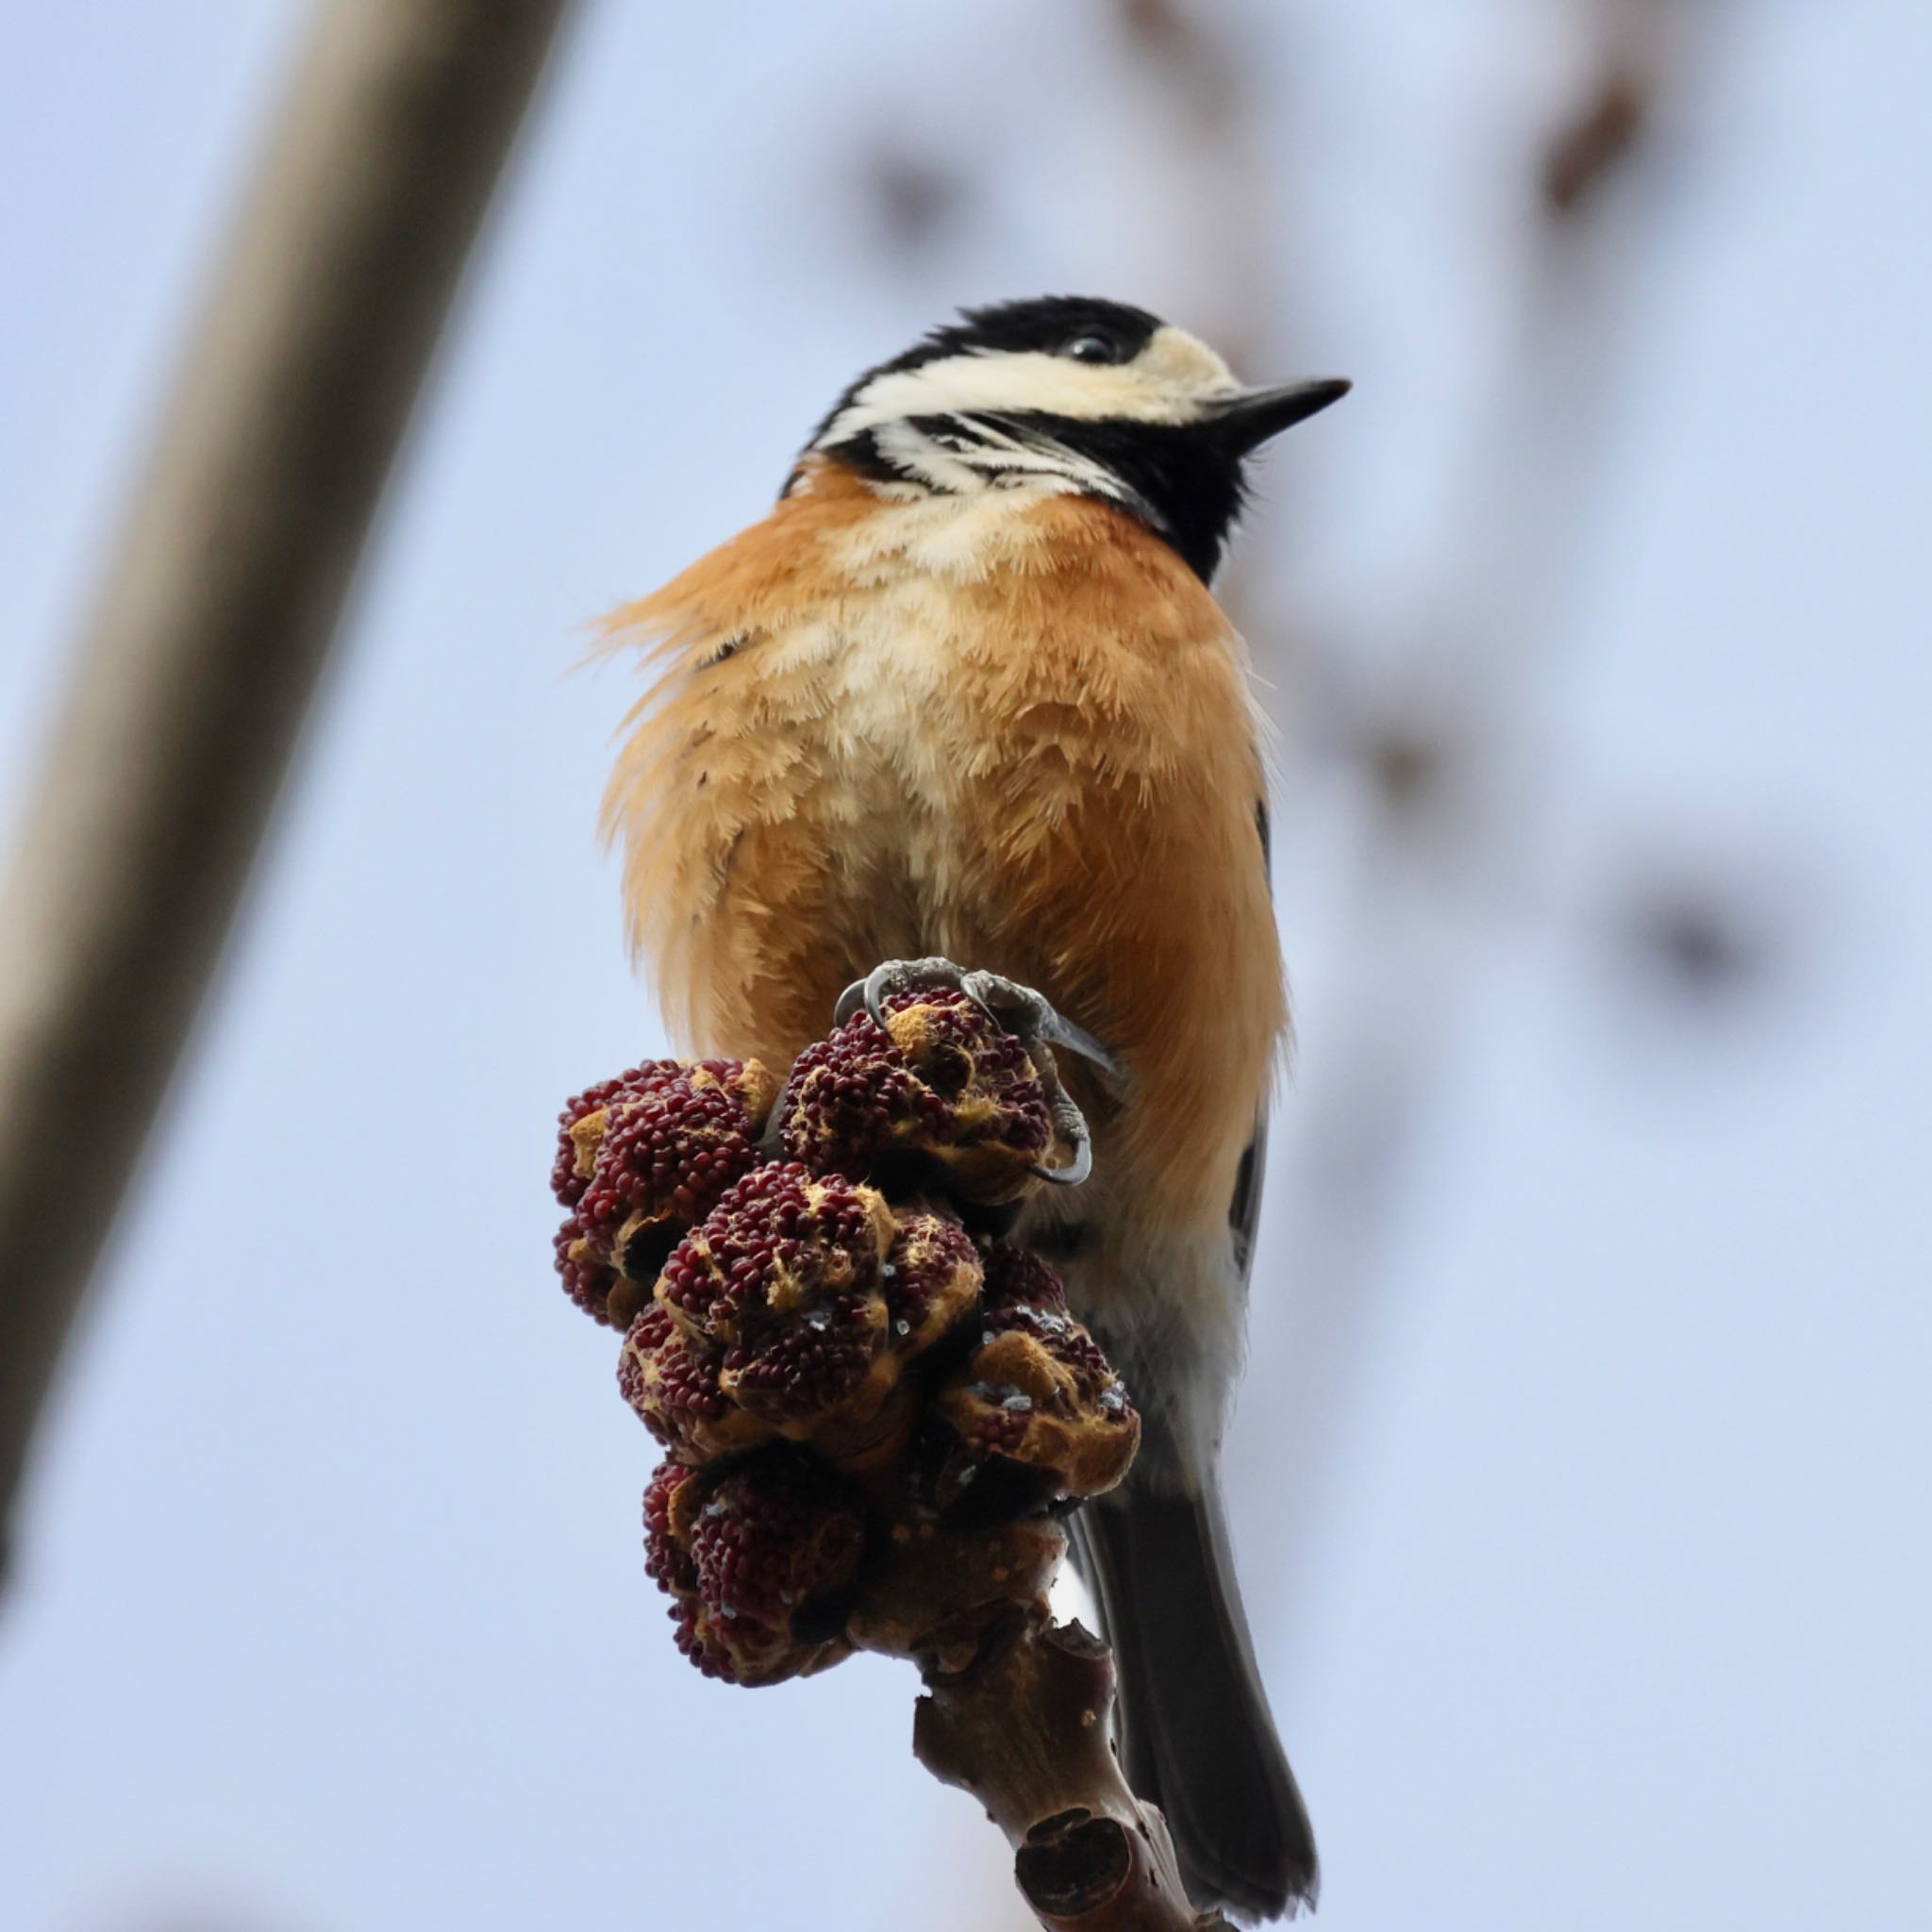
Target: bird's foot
x=1023, y=1012
x=1028, y=1015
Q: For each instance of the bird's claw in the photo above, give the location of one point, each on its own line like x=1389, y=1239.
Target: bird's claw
x=891, y=977
x=1018, y=1008
x=1029, y=1016
x=1022, y=1010
x=1069, y=1124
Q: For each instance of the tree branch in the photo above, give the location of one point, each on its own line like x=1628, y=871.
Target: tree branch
x=1025, y=1729
x=221, y=606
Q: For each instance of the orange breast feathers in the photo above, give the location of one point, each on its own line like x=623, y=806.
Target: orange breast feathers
x=1013, y=729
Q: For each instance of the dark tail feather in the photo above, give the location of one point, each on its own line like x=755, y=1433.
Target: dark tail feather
x=1195, y=1735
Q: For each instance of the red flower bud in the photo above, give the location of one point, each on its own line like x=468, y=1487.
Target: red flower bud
x=941, y=1095
x=759, y=1564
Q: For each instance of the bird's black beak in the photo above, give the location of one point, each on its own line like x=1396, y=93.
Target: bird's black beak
x=1246, y=419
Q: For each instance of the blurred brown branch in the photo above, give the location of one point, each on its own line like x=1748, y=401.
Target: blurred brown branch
x=222, y=601
x=1613, y=110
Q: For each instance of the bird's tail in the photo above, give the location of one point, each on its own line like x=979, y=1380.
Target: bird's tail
x=1196, y=1738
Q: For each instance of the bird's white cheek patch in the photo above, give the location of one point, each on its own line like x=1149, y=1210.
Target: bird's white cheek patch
x=1182, y=364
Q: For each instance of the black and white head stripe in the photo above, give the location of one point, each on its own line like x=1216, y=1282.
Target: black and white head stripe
x=1069, y=395
x=1045, y=327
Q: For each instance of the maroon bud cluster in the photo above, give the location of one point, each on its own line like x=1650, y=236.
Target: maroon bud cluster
x=941, y=1091
x=676, y=1390
x=933, y=1273
x=781, y=1240
x=759, y=1560
x=771, y=1317
x=641, y=1158
x=831, y=1362
x=589, y=1282
x=1035, y=1391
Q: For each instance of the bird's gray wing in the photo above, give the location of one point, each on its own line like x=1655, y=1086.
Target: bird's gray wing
x=1245, y=1211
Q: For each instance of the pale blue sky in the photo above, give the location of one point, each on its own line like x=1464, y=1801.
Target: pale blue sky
x=1610, y=1607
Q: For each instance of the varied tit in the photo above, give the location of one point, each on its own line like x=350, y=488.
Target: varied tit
x=964, y=697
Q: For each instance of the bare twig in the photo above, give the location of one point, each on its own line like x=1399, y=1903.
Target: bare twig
x=222, y=601
x=1025, y=1729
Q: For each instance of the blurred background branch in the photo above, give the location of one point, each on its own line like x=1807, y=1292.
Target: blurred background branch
x=222, y=601
x=1438, y=722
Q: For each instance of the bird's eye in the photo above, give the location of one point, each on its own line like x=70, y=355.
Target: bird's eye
x=1093, y=345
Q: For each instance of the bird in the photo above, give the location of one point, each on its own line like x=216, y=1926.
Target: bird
x=965, y=695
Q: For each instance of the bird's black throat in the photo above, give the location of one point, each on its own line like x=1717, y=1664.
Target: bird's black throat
x=1180, y=480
